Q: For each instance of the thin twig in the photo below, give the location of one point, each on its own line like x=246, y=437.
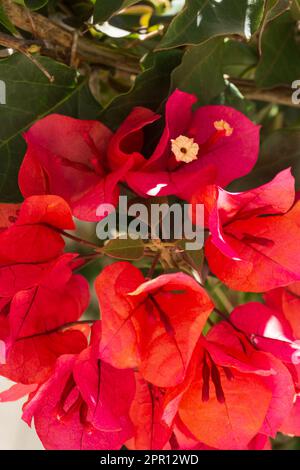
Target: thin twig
x=73, y=60
x=23, y=46
x=277, y=95
x=90, y=51
x=153, y=265
x=86, y=260
x=78, y=240
x=62, y=39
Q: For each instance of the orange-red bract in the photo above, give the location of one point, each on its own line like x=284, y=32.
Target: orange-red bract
x=85, y=403
x=34, y=234
x=218, y=403
x=31, y=317
x=150, y=431
x=152, y=325
x=254, y=235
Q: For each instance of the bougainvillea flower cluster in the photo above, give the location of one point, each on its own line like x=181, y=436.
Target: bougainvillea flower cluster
x=83, y=162
x=161, y=367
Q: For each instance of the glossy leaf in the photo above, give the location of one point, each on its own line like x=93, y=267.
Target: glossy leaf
x=201, y=20
x=279, y=63
x=151, y=87
x=4, y=21
x=105, y=9
x=30, y=96
x=32, y=4
x=200, y=71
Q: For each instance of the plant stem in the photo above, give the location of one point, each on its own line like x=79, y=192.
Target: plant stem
x=24, y=47
x=222, y=297
x=87, y=259
x=58, y=37
x=153, y=265
x=89, y=51
x=221, y=314
x=80, y=240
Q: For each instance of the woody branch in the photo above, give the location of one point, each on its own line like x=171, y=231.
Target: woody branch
x=61, y=40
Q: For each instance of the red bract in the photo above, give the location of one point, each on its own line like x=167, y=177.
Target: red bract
x=182, y=439
x=31, y=360
x=17, y=391
x=8, y=215
x=218, y=403
x=270, y=331
x=214, y=144
x=30, y=318
x=287, y=301
x=150, y=431
x=67, y=157
x=291, y=424
x=82, y=162
x=153, y=325
x=149, y=375
x=254, y=235
x=32, y=236
x=84, y=405
x=61, y=297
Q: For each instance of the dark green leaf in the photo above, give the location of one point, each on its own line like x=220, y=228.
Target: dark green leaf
x=32, y=4
x=30, y=96
x=202, y=19
x=295, y=9
x=279, y=63
x=81, y=104
x=150, y=89
x=276, y=8
x=104, y=9
x=238, y=57
x=4, y=21
x=200, y=71
x=279, y=151
x=232, y=96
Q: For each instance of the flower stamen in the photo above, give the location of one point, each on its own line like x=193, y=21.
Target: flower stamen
x=224, y=127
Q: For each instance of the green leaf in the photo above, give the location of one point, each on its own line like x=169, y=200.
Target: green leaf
x=201, y=20
x=104, y=9
x=124, y=249
x=32, y=4
x=30, y=96
x=232, y=97
x=200, y=71
x=279, y=63
x=81, y=104
x=280, y=150
x=276, y=8
x=4, y=21
x=151, y=87
x=238, y=57
x=295, y=9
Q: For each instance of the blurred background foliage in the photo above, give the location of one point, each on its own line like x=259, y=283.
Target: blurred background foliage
x=96, y=59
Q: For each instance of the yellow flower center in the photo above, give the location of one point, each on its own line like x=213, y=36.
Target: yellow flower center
x=185, y=149
x=223, y=126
